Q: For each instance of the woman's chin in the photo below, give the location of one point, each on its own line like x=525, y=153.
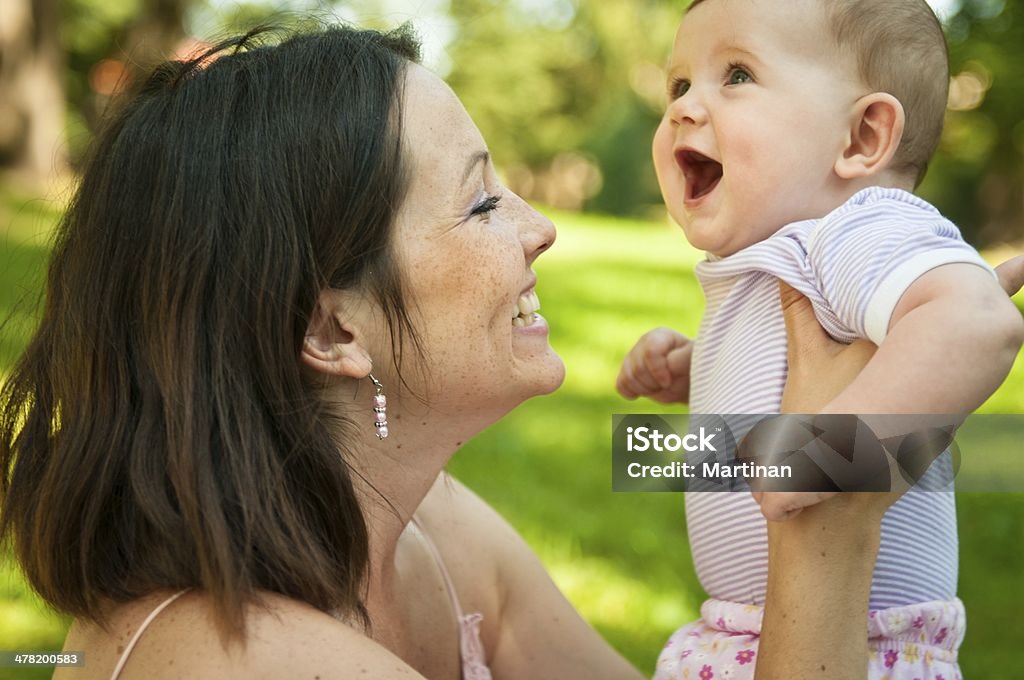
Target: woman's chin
x=543, y=375
x=551, y=372
x=556, y=376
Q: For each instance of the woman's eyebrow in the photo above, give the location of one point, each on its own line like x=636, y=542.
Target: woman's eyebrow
x=474, y=160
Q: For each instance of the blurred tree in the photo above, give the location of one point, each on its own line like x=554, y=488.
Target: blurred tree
x=107, y=44
x=567, y=92
x=545, y=79
x=528, y=80
x=31, y=96
x=977, y=178
x=155, y=35
x=636, y=38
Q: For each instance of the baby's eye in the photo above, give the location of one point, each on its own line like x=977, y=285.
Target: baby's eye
x=678, y=87
x=739, y=75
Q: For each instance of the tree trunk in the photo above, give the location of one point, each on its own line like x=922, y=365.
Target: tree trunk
x=31, y=92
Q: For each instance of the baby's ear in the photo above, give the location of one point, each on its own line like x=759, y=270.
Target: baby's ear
x=876, y=128
x=331, y=346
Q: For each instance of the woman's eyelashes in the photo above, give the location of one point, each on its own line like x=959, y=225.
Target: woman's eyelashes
x=484, y=207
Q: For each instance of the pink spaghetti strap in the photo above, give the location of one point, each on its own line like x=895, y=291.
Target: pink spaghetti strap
x=138, y=634
x=436, y=554
x=471, y=649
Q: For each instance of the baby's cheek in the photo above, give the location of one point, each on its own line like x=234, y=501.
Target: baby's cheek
x=662, y=136
x=748, y=152
x=661, y=147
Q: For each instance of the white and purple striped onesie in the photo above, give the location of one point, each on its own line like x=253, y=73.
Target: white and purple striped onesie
x=854, y=265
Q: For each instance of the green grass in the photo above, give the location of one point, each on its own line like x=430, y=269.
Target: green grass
x=621, y=558
x=25, y=621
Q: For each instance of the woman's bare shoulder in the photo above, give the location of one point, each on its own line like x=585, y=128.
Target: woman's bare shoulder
x=457, y=515
x=472, y=533
x=285, y=639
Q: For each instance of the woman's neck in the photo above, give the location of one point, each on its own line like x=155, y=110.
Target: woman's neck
x=392, y=476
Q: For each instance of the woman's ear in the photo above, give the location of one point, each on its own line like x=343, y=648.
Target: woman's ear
x=875, y=133
x=331, y=346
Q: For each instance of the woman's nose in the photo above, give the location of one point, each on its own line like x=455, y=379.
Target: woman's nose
x=536, y=232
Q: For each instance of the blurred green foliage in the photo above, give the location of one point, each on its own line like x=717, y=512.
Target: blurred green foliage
x=566, y=79
x=545, y=78
x=622, y=559
x=977, y=178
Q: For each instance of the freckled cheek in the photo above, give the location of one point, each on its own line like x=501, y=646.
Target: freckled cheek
x=470, y=286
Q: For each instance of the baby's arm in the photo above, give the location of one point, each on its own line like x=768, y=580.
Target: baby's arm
x=952, y=338
x=658, y=367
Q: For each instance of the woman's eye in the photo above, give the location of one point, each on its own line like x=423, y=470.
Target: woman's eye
x=486, y=206
x=739, y=75
x=678, y=87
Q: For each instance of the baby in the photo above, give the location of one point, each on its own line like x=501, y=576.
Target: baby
x=794, y=135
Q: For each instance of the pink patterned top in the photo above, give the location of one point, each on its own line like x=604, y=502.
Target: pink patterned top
x=471, y=650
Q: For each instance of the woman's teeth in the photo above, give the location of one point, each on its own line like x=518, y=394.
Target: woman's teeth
x=528, y=306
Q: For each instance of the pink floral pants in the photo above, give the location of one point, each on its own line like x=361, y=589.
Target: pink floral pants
x=916, y=642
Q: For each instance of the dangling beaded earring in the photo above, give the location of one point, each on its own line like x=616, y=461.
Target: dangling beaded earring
x=380, y=407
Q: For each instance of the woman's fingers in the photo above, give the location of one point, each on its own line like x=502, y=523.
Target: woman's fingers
x=804, y=335
x=858, y=353
x=1011, y=275
x=819, y=367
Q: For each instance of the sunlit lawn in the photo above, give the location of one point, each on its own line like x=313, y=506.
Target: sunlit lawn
x=621, y=558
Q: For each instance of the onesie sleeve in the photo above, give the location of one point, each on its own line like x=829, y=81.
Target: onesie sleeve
x=866, y=257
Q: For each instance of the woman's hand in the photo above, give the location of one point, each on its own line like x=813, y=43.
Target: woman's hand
x=1011, y=275
x=820, y=562
x=819, y=367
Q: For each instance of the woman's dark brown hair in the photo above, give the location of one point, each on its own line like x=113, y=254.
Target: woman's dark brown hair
x=157, y=432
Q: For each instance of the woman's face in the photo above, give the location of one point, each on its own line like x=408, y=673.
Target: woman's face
x=466, y=246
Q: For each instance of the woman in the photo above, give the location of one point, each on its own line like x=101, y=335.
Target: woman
x=196, y=463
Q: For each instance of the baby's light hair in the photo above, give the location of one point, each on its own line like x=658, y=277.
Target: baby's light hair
x=900, y=50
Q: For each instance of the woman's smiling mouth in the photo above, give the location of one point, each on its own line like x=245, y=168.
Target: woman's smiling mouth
x=527, y=307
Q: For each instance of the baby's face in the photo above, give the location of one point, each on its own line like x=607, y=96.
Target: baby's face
x=760, y=108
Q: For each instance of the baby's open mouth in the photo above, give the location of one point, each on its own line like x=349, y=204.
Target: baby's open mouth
x=702, y=173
